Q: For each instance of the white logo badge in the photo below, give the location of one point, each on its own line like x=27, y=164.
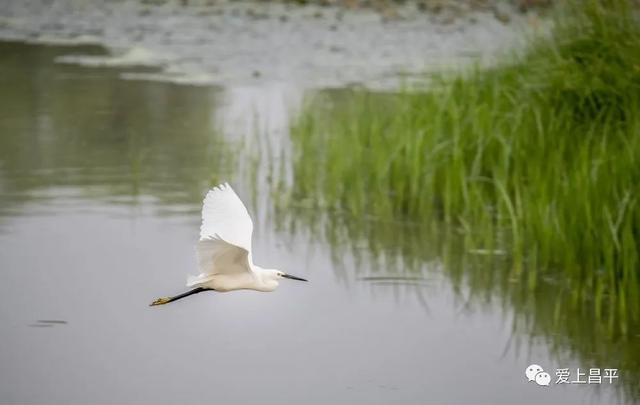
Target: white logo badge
x=543, y=378
x=535, y=373
x=531, y=371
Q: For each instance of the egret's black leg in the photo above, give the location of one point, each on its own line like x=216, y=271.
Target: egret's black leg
x=166, y=300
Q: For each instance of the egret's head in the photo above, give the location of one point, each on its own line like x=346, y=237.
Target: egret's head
x=277, y=274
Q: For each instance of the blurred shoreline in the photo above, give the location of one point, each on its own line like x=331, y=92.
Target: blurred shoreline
x=253, y=43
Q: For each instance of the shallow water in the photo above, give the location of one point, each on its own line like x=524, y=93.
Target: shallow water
x=102, y=180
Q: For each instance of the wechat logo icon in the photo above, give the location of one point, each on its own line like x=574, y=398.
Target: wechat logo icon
x=535, y=373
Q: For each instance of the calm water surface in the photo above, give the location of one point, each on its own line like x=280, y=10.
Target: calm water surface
x=101, y=182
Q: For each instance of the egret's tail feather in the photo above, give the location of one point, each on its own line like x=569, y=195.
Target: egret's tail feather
x=192, y=280
x=197, y=281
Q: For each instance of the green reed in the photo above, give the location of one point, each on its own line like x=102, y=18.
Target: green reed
x=536, y=157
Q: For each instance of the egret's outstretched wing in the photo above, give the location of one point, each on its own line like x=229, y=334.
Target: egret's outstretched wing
x=216, y=256
x=225, y=217
x=225, y=235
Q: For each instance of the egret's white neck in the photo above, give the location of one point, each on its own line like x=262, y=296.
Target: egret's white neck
x=266, y=279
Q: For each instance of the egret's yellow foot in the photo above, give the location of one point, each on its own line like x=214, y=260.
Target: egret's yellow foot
x=161, y=301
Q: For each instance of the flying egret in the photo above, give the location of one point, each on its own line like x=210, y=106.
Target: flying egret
x=224, y=250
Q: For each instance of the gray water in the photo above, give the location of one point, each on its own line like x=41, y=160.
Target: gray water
x=101, y=182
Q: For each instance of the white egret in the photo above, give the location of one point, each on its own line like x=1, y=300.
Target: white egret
x=224, y=250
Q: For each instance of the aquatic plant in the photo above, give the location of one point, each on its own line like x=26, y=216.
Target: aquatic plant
x=536, y=158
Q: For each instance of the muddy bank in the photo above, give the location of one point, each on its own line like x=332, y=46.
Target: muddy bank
x=451, y=9
x=249, y=43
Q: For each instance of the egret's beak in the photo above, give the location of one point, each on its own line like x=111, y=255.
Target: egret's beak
x=293, y=277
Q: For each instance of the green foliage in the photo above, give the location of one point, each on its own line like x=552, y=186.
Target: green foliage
x=537, y=157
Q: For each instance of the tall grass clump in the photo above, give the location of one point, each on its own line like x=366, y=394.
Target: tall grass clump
x=537, y=157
